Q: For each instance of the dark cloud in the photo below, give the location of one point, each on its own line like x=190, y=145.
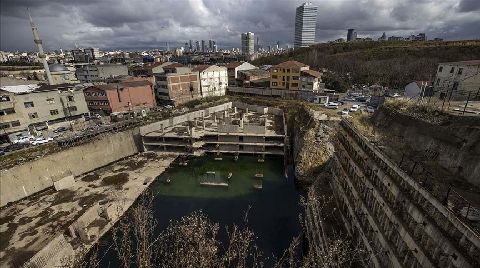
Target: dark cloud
x=137, y=24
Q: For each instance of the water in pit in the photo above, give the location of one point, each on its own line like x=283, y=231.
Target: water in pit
x=274, y=210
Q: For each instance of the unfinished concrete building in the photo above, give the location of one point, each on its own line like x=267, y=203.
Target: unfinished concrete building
x=232, y=128
x=397, y=220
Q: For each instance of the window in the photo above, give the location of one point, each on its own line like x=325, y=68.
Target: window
x=15, y=123
x=33, y=115
x=283, y=78
x=274, y=83
x=7, y=111
x=275, y=70
x=452, y=70
x=54, y=112
x=4, y=98
x=288, y=70
x=283, y=83
x=70, y=98
x=460, y=71
x=294, y=77
x=28, y=104
x=440, y=69
x=72, y=108
x=274, y=76
x=294, y=84
x=50, y=100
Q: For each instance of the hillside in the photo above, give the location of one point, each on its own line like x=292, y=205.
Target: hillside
x=392, y=64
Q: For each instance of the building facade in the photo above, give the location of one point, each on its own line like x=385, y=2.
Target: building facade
x=286, y=75
x=25, y=106
x=177, y=85
x=233, y=68
x=60, y=74
x=456, y=80
x=213, y=80
x=120, y=97
x=305, y=23
x=248, y=43
x=351, y=35
x=93, y=73
x=310, y=80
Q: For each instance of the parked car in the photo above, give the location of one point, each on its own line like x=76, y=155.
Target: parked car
x=331, y=105
x=41, y=140
x=60, y=129
x=24, y=140
x=370, y=109
x=345, y=111
x=354, y=108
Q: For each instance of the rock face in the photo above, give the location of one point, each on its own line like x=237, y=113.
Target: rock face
x=312, y=147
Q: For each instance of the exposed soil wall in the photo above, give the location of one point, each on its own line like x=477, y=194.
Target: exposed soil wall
x=456, y=140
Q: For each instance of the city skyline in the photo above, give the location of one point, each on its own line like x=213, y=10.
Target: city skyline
x=148, y=25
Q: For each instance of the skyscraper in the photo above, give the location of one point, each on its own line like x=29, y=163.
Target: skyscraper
x=351, y=35
x=190, y=45
x=248, y=43
x=305, y=23
x=203, y=46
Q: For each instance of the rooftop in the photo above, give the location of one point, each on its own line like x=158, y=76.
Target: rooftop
x=291, y=64
x=33, y=88
x=234, y=64
x=200, y=68
x=311, y=73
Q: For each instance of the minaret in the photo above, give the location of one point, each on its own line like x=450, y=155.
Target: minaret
x=41, y=54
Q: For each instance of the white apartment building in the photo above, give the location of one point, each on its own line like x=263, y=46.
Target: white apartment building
x=213, y=80
x=456, y=80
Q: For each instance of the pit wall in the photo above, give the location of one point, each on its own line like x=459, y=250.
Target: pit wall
x=34, y=176
x=457, y=144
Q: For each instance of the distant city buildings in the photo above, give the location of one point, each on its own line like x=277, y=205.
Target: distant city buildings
x=305, y=23
x=248, y=43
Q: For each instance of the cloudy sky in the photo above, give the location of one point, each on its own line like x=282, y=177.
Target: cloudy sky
x=143, y=24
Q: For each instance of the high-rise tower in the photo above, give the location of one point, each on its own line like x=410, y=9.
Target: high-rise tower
x=41, y=54
x=305, y=23
x=248, y=43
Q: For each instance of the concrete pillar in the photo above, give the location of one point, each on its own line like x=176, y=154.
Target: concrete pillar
x=235, y=110
x=215, y=118
x=195, y=122
x=191, y=132
x=241, y=123
x=246, y=110
x=225, y=113
x=161, y=127
x=188, y=130
x=203, y=123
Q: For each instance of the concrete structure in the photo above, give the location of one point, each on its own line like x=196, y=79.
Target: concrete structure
x=213, y=80
x=305, y=23
x=391, y=214
x=248, y=43
x=311, y=80
x=31, y=177
x=60, y=74
x=233, y=68
x=177, y=85
x=286, y=75
x=87, y=55
x=455, y=80
x=28, y=106
x=95, y=73
x=283, y=93
x=418, y=89
x=235, y=128
x=120, y=97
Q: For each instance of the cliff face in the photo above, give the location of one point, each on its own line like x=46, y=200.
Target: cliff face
x=312, y=148
x=455, y=139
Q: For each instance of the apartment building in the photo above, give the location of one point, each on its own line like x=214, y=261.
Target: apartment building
x=177, y=85
x=213, y=80
x=310, y=80
x=95, y=73
x=286, y=75
x=23, y=107
x=120, y=97
x=458, y=80
x=233, y=68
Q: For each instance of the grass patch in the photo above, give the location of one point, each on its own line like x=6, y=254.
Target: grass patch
x=117, y=179
x=91, y=177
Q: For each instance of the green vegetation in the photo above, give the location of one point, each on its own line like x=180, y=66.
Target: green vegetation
x=392, y=64
x=91, y=177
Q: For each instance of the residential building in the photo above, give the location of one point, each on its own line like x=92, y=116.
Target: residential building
x=233, y=68
x=418, y=89
x=213, y=80
x=248, y=43
x=60, y=74
x=286, y=75
x=87, y=55
x=253, y=78
x=120, y=97
x=177, y=85
x=311, y=80
x=456, y=80
x=25, y=107
x=99, y=72
x=305, y=23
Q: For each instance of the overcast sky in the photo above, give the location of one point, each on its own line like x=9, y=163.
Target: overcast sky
x=143, y=24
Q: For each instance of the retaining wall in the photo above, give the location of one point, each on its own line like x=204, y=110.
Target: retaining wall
x=34, y=176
